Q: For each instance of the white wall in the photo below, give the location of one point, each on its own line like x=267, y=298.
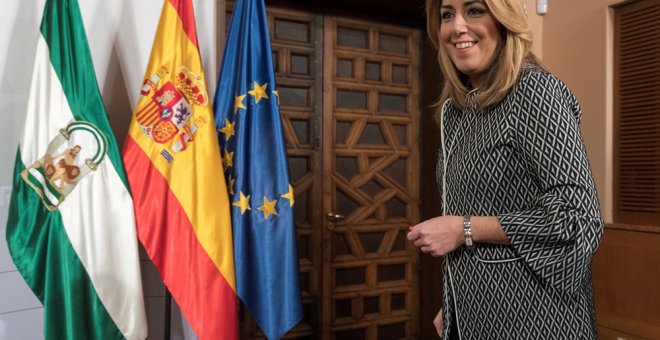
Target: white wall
x=120, y=35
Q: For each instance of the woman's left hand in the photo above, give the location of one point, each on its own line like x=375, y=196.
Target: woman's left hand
x=438, y=236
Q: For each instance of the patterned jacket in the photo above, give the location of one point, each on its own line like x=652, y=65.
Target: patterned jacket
x=523, y=161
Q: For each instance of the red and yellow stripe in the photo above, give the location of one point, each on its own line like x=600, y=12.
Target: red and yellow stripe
x=182, y=209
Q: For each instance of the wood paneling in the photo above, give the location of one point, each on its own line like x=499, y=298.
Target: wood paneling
x=371, y=177
x=626, y=266
x=626, y=278
x=636, y=118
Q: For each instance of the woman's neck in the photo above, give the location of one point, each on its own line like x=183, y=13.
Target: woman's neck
x=475, y=82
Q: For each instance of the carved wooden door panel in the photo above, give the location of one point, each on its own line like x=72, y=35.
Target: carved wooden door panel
x=371, y=180
x=349, y=97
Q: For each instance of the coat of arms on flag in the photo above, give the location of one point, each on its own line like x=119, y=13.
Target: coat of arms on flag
x=71, y=155
x=169, y=110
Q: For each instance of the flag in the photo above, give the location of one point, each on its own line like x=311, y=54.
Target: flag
x=71, y=228
x=174, y=169
x=254, y=154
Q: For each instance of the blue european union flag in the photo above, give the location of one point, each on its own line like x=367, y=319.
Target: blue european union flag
x=251, y=137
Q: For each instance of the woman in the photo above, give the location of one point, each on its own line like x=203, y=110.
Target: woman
x=520, y=219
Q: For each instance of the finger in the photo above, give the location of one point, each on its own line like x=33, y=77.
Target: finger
x=412, y=235
x=420, y=243
x=438, y=322
x=438, y=327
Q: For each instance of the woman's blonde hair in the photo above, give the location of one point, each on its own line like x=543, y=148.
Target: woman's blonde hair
x=515, y=49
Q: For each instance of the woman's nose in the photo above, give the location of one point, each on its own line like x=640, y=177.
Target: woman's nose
x=460, y=25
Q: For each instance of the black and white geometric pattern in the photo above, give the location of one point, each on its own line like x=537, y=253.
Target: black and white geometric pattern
x=525, y=162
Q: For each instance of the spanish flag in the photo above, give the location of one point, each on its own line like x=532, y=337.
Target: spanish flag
x=174, y=170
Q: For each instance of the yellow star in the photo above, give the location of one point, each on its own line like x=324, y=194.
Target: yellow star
x=231, y=186
x=258, y=92
x=289, y=196
x=228, y=130
x=243, y=203
x=238, y=103
x=268, y=207
x=277, y=94
x=228, y=159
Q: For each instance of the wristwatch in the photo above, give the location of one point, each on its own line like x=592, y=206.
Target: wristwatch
x=467, y=232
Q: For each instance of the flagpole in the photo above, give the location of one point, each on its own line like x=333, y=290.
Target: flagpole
x=168, y=315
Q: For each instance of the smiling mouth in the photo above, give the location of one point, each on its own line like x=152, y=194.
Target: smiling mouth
x=463, y=45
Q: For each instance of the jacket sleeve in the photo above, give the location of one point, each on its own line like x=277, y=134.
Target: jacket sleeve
x=559, y=231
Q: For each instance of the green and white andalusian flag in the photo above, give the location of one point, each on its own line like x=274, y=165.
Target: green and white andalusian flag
x=71, y=227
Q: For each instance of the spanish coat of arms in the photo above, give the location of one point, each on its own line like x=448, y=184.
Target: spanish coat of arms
x=170, y=107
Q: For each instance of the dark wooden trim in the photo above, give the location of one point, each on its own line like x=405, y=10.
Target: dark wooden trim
x=615, y=105
x=327, y=144
x=407, y=13
x=633, y=227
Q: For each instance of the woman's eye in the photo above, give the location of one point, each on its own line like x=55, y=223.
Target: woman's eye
x=475, y=11
x=446, y=15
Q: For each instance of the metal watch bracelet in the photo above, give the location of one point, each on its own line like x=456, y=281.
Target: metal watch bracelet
x=467, y=232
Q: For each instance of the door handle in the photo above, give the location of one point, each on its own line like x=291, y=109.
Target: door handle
x=334, y=217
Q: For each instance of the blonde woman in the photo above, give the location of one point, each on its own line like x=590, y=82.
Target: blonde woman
x=521, y=219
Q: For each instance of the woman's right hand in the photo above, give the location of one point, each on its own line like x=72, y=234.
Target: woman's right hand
x=438, y=236
x=437, y=322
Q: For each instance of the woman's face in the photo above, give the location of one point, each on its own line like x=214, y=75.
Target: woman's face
x=470, y=36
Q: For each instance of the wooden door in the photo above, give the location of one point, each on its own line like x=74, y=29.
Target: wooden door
x=371, y=178
x=349, y=96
